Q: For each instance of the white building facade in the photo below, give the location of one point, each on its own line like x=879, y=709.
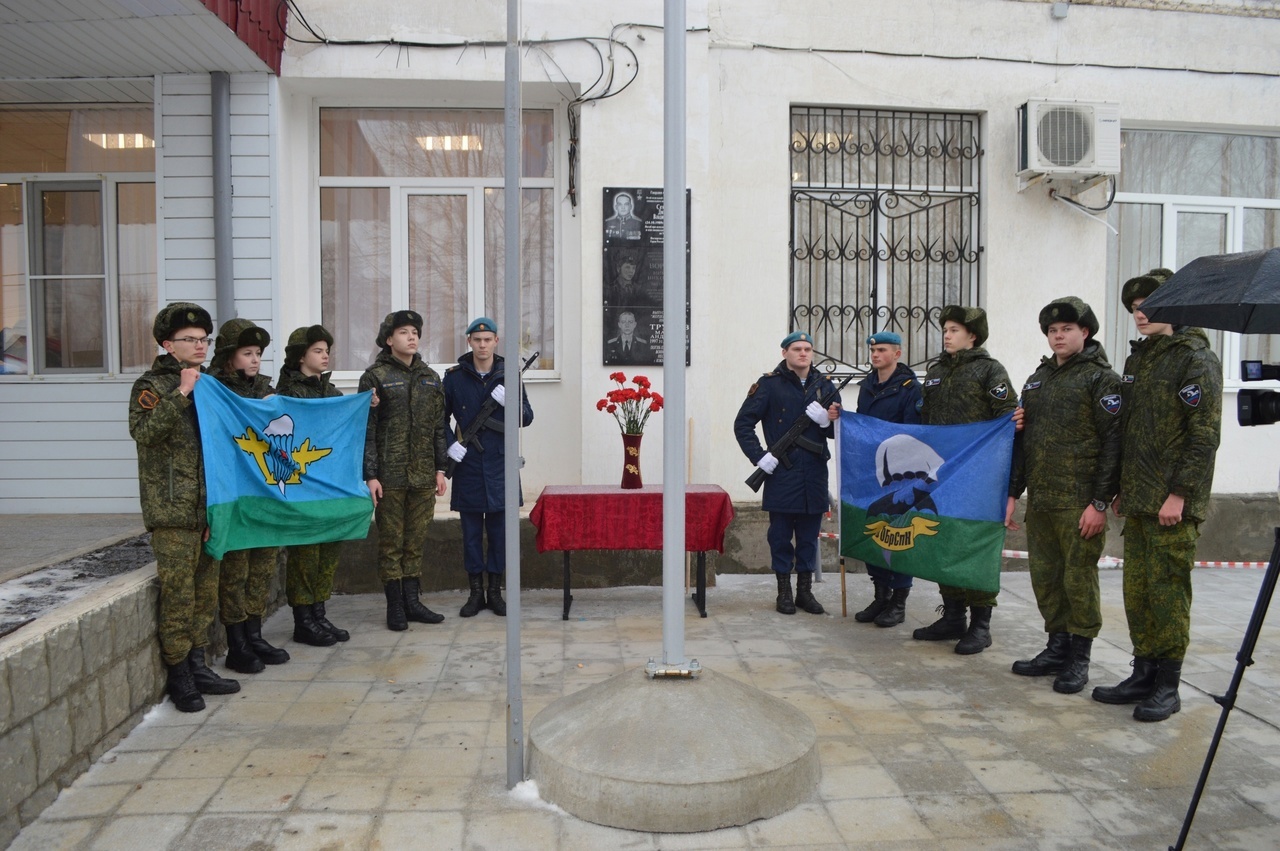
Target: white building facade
x=851, y=168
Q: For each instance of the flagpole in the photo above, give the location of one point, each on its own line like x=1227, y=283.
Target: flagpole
x=511, y=322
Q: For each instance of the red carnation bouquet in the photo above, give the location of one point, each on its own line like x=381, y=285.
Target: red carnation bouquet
x=630, y=406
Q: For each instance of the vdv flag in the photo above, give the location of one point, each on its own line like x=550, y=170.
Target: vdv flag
x=282, y=471
x=924, y=500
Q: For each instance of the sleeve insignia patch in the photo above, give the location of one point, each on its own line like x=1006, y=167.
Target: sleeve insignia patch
x=1191, y=395
x=1110, y=403
x=147, y=400
x=754, y=388
x=1000, y=391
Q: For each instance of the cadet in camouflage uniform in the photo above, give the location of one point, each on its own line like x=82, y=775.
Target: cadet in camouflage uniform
x=1172, y=390
x=964, y=385
x=246, y=577
x=1068, y=455
x=309, y=573
x=404, y=455
x=162, y=420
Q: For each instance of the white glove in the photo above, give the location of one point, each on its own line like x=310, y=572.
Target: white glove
x=767, y=463
x=499, y=395
x=818, y=414
x=457, y=452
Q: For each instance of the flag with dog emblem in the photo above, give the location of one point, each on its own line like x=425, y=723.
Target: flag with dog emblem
x=282, y=471
x=928, y=501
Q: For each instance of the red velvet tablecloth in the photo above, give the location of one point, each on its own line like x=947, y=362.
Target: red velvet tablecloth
x=601, y=517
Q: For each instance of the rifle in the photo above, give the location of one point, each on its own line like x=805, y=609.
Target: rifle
x=783, y=445
x=480, y=420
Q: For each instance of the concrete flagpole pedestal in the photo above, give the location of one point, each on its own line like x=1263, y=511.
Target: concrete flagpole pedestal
x=673, y=755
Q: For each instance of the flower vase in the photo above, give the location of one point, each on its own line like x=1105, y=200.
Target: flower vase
x=631, y=461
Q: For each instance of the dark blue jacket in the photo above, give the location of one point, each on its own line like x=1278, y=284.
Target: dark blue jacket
x=478, y=480
x=896, y=400
x=776, y=401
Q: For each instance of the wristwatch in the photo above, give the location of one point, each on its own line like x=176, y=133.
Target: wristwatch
x=1099, y=504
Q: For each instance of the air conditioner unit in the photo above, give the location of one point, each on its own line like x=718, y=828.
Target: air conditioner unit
x=1068, y=140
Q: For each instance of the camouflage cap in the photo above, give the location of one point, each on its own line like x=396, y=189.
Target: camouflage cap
x=1142, y=286
x=235, y=335
x=972, y=318
x=181, y=314
x=304, y=338
x=395, y=320
x=1069, y=309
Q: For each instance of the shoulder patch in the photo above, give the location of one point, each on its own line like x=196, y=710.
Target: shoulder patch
x=919, y=405
x=1110, y=403
x=754, y=388
x=1191, y=395
x=1000, y=391
x=1126, y=379
x=147, y=400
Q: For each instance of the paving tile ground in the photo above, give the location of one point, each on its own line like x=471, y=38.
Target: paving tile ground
x=396, y=740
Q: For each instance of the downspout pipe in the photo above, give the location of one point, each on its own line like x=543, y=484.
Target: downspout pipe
x=220, y=112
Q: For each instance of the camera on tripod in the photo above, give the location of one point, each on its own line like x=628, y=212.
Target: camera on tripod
x=1258, y=407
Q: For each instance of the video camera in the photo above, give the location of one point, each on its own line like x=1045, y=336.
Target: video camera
x=1258, y=407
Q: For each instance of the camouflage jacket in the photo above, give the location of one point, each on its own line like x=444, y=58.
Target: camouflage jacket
x=170, y=466
x=1068, y=452
x=258, y=387
x=406, y=441
x=1172, y=417
x=967, y=387
x=293, y=383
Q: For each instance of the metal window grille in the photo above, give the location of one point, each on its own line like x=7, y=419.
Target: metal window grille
x=884, y=227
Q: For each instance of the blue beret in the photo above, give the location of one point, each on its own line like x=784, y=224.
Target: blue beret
x=797, y=337
x=883, y=337
x=484, y=323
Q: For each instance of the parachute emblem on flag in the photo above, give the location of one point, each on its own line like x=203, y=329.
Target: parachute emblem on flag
x=907, y=468
x=278, y=461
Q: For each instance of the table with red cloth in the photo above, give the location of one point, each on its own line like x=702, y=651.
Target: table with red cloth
x=604, y=517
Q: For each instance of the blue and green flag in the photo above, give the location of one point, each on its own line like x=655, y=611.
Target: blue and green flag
x=928, y=501
x=282, y=471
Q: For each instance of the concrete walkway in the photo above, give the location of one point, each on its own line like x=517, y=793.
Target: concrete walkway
x=397, y=739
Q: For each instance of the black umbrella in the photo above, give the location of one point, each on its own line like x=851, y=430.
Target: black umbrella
x=1233, y=292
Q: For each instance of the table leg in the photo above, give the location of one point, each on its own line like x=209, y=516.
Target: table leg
x=568, y=598
x=700, y=595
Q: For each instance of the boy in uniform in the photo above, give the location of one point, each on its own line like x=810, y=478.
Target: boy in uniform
x=162, y=420
x=404, y=454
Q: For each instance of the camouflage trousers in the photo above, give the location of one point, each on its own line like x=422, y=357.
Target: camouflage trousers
x=1064, y=572
x=968, y=596
x=188, y=591
x=245, y=583
x=403, y=516
x=1157, y=585
x=308, y=577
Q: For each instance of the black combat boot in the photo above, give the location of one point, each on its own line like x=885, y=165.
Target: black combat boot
x=1137, y=686
x=786, y=605
x=978, y=636
x=1075, y=674
x=950, y=625
x=413, y=608
x=804, y=594
x=877, y=605
x=206, y=681
x=264, y=651
x=496, y=604
x=396, y=619
x=317, y=610
x=896, y=612
x=1164, y=700
x=1052, y=659
x=182, y=688
x=475, y=602
x=240, y=656
x=306, y=630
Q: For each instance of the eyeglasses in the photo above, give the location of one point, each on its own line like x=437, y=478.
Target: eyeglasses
x=193, y=340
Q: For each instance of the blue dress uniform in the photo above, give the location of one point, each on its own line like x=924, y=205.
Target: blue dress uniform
x=796, y=497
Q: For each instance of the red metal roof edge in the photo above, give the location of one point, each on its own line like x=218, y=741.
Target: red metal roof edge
x=255, y=22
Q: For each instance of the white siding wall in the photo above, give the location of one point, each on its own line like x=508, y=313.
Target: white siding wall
x=64, y=442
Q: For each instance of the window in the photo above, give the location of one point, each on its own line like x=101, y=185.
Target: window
x=1184, y=195
x=411, y=216
x=77, y=241
x=884, y=226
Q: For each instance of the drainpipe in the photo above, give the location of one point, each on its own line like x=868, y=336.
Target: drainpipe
x=220, y=111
